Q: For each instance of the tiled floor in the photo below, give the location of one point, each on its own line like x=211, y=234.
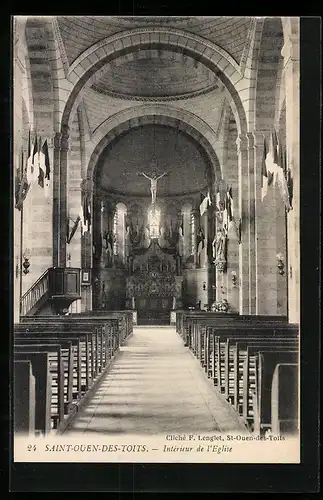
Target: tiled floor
x=155, y=386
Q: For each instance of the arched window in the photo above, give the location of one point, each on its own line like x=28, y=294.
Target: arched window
x=115, y=233
x=119, y=230
x=154, y=221
x=193, y=232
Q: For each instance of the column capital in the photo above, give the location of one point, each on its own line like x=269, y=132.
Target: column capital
x=242, y=142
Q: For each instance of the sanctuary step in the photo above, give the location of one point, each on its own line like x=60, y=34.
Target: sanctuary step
x=153, y=318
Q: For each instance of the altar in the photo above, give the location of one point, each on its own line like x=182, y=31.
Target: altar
x=154, y=289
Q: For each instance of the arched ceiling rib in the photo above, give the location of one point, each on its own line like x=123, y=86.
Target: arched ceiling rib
x=98, y=107
x=80, y=32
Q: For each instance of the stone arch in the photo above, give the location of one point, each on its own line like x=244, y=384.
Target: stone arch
x=155, y=114
x=268, y=73
x=251, y=72
x=41, y=77
x=21, y=57
x=91, y=62
x=290, y=29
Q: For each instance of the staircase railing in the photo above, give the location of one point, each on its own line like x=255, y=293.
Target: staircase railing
x=35, y=293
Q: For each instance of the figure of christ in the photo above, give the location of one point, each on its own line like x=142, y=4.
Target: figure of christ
x=153, y=184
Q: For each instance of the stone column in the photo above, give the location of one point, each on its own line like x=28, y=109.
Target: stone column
x=290, y=52
x=211, y=266
x=253, y=161
x=102, y=228
x=244, y=211
x=63, y=190
x=195, y=215
x=56, y=198
x=258, y=152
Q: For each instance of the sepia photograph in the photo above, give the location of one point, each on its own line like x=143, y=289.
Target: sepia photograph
x=156, y=228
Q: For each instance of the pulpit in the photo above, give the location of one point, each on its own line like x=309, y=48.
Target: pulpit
x=64, y=287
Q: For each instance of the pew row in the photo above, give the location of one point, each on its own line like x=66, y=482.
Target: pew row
x=240, y=354
x=78, y=352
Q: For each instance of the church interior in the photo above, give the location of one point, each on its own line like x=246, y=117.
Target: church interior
x=156, y=224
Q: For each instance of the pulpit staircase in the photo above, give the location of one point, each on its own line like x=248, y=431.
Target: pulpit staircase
x=57, y=287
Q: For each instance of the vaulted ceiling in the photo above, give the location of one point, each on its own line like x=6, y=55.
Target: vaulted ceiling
x=149, y=149
x=153, y=74
x=80, y=32
x=158, y=74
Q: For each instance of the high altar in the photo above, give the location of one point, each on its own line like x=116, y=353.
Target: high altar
x=154, y=288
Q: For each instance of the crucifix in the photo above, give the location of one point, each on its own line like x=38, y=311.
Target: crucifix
x=153, y=184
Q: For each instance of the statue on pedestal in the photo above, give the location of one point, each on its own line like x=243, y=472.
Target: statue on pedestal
x=109, y=240
x=219, y=245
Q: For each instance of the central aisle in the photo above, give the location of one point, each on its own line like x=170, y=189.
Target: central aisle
x=155, y=386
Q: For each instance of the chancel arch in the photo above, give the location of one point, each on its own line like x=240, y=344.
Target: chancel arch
x=160, y=229
x=90, y=64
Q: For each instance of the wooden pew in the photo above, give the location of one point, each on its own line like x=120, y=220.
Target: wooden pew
x=266, y=362
x=99, y=340
x=125, y=318
x=284, y=399
x=241, y=330
x=235, y=354
x=97, y=326
x=24, y=397
x=93, y=341
x=68, y=361
x=43, y=385
x=197, y=327
x=120, y=321
x=56, y=368
x=228, y=348
x=190, y=323
x=91, y=357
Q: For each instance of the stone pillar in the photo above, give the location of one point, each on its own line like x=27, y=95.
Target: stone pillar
x=290, y=52
x=253, y=164
x=102, y=228
x=195, y=215
x=244, y=211
x=258, y=152
x=56, y=198
x=63, y=190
